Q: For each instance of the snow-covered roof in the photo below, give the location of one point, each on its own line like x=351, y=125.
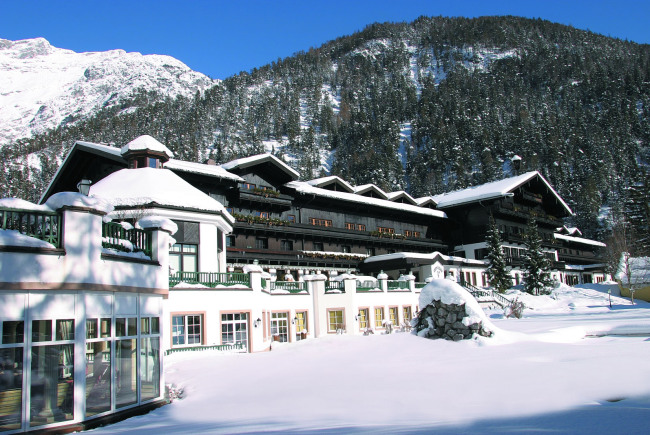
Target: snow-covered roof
x=395, y=196
x=579, y=240
x=260, y=158
x=430, y=257
x=96, y=148
x=304, y=187
x=366, y=188
x=203, y=169
x=324, y=181
x=146, y=186
x=146, y=142
x=492, y=190
x=425, y=201
x=571, y=231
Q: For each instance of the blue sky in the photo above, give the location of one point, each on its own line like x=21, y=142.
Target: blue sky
x=221, y=38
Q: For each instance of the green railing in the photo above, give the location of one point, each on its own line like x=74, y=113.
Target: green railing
x=115, y=236
x=398, y=285
x=420, y=284
x=41, y=225
x=210, y=279
x=220, y=347
x=290, y=286
x=479, y=292
x=334, y=286
x=367, y=286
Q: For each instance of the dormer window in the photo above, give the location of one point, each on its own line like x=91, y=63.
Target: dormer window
x=145, y=162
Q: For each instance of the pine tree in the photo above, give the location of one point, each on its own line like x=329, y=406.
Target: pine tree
x=497, y=270
x=537, y=279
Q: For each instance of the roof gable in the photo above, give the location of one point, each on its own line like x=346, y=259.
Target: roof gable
x=401, y=196
x=332, y=182
x=495, y=189
x=266, y=165
x=371, y=191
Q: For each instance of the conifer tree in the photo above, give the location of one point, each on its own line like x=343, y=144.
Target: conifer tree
x=537, y=279
x=497, y=270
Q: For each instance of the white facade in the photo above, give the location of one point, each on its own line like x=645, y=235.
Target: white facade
x=80, y=325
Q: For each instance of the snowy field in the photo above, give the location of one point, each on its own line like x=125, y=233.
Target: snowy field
x=571, y=365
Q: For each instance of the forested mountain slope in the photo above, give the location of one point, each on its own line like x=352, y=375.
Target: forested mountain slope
x=429, y=106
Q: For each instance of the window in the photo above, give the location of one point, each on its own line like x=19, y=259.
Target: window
x=230, y=241
x=361, y=227
x=363, y=319
x=393, y=316
x=301, y=325
x=320, y=222
x=261, y=243
x=370, y=251
x=183, y=257
x=386, y=230
x=349, y=226
x=234, y=328
x=335, y=320
x=187, y=329
x=280, y=327
x=379, y=317
x=291, y=218
x=318, y=246
x=409, y=233
x=346, y=249
x=229, y=210
x=407, y=314
x=286, y=245
x=262, y=214
x=52, y=370
x=248, y=186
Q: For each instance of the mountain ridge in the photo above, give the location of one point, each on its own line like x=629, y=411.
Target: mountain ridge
x=52, y=87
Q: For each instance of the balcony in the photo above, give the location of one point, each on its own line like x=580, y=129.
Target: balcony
x=210, y=279
x=293, y=287
x=42, y=225
x=526, y=213
x=116, y=236
x=265, y=196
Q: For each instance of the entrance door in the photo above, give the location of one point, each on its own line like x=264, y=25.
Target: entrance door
x=234, y=329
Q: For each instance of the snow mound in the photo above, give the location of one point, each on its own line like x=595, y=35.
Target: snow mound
x=21, y=204
x=158, y=222
x=14, y=238
x=74, y=199
x=449, y=292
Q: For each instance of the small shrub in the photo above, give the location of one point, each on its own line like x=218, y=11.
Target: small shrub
x=515, y=309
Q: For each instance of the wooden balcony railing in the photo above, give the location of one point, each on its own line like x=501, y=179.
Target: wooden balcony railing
x=41, y=225
x=115, y=236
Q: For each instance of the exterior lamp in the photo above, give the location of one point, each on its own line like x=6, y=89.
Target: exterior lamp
x=294, y=320
x=84, y=186
x=257, y=322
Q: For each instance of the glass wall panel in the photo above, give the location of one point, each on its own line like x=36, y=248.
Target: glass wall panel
x=98, y=377
x=41, y=330
x=150, y=367
x=126, y=382
x=65, y=329
x=52, y=384
x=13, y=331
x=11, y=386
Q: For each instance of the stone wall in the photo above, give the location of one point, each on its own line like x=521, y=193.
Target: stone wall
x=440, y=320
